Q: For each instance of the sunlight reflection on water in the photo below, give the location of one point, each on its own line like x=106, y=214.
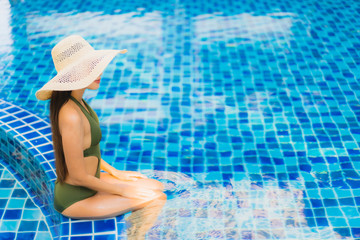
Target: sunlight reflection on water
x=210, y=210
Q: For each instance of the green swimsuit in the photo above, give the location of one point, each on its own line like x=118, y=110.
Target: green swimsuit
x=66, y=194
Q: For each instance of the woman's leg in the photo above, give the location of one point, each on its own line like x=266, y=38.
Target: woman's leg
x=104, y=205
x=146, y=183
x=141, y=220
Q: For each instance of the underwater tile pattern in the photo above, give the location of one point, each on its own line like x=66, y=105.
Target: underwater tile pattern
x=247, y=111
x=20, y=218
x=23, y=155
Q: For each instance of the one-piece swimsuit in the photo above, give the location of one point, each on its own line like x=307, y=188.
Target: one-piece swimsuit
x=66, y=194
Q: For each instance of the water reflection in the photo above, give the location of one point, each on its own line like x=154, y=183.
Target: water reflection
x=244, y=28
x=145, y=26
x=239, y=210
x=186, y=50
x=5, y=28
x=140, y=221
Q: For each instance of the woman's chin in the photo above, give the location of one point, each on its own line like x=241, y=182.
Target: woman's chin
x=93, y=86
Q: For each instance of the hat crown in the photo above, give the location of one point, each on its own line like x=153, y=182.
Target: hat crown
x=77, y=64
x=70, y=50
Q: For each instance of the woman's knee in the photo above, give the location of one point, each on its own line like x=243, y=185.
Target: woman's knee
x=159, y=197
x=152, y=184
x=159, y=185
x=162, y=196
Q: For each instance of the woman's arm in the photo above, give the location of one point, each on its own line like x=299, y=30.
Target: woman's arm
x=122, y=175
x=107, y=167
x=71, y=130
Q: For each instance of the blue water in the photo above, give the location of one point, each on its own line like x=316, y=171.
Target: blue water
x=247, y=110
x=20, y=217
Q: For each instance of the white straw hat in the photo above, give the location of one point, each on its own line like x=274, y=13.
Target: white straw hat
x=78, y=65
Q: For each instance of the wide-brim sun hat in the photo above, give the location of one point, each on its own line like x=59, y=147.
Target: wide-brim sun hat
x=77, y=64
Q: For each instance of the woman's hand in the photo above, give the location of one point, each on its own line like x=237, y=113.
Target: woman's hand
x=130, y=191
x=127, y=175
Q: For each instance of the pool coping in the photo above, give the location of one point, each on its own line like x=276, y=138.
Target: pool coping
x=26, y=147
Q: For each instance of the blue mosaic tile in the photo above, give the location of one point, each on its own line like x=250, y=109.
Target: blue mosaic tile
x=8, y=235
x=104, y=237
x=246, y=100
x=14, y=208
x=25, y=235
x=81, y=228
x=104, y=225
x=81, y=238
x=12, y=214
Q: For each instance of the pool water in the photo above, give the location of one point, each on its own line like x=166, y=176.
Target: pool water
x=20, y=217
x=246, y=110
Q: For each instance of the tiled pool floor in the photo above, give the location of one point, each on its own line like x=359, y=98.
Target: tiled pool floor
x=20, y=217
x=248, y=110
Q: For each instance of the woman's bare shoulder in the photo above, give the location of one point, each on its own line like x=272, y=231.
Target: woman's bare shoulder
x=69, y=115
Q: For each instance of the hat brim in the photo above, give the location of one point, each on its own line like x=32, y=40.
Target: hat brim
x=79, y=74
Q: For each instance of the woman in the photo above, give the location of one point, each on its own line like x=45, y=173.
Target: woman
x=81, y=190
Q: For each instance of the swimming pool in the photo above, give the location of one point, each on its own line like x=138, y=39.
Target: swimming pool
x=246, y=110
x=21, y=218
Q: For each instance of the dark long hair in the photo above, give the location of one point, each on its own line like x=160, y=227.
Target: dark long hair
x=57, y=100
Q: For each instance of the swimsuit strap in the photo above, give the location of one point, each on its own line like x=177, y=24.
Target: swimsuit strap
x=85, y=111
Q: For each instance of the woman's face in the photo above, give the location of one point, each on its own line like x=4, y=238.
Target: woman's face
x=95, y=84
